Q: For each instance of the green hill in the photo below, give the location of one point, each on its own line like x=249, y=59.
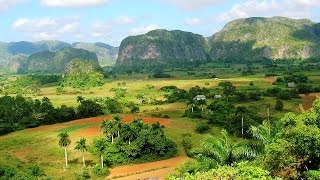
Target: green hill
x=163, y=47
x=253, y=39
x=107, y=54
x=55, y=62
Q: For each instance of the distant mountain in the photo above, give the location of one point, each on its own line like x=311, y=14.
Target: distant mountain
x=10, y=52
x=163, y=47
x=54, y=62
x=253, y=39
x=242, y=40
x=107, y=54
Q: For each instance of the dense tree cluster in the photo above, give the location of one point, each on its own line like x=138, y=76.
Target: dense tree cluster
x=18, y=112
x=136, y=141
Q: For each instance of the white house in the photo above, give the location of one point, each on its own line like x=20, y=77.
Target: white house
x=200, y=97
x=217, y=96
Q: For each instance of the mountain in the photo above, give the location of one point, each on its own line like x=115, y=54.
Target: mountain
x=163, y=47
x=107, y=54
x=10, y=53
x=55, y=62
x=253, y=39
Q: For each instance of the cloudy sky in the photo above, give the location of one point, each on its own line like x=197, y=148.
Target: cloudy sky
x=110, y=21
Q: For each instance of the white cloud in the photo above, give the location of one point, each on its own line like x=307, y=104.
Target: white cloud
x=143, y=30
x=123, y=20
x=101, y=29
x=193, y=21
x=6, y=4
x=73, y=3
x=46, y=28
x=192, y=4
x=251, y=8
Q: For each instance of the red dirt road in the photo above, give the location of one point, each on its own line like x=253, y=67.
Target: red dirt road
x=158, y=169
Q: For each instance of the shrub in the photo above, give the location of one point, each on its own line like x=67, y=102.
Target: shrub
x=312, y=175
x=202, y=127
x=279, y=105
x=101, y=172
x=186, y=142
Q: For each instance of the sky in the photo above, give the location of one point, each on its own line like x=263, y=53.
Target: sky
x=110, y=21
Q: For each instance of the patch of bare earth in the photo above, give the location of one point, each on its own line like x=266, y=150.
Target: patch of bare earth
x=270, y=79
x=309, y=99
x=95, y=131
x=158, y=169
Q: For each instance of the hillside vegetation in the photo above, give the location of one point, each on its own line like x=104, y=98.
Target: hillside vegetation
x=55, y=62
x=243, y=40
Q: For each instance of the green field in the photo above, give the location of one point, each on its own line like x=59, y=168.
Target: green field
x=40, y=145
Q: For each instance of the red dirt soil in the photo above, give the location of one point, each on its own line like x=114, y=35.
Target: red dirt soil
x=158, y=169
x=97, y=120
x=270, y=79
x=309, y=100
x=95, y=131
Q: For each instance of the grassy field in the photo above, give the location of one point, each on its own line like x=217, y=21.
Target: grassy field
x=40, y=145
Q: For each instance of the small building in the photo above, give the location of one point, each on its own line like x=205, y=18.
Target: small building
x=200, y=97
x=217, y=96
x=291, y=85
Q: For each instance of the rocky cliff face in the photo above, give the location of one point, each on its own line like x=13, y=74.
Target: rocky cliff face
x=163, y=46
x=252, y=39
x=55, y=62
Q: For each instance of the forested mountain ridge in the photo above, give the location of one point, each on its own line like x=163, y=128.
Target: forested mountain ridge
x=241, y=40
x=12, y=53
x=252, y=39
x=164, y=47
x=55, y=62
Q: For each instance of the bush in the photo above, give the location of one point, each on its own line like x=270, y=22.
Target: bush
x=202, y=127
x=84, y=175
x=312, y=175
x=162, y=75
x=279, y=105
x=186, y=142
x=101, y=172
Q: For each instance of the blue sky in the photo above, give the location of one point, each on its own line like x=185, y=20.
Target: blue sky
x=110, y=21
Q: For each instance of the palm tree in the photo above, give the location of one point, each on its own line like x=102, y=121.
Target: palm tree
x=157, y=129
x=82, y=146
x=241, y=110
x=192, y=104
x=64, y=142
x=201, y=103
x=128, y=133
x=100, y=145
x=108, y=128
x=222, y=151
x=263, y=133
x=117, y=123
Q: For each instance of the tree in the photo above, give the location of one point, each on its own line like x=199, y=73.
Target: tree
x=82, y=146
x=117, y=123
x=192, y=104
x=128, y=133
x=108, y=128
x=100, y=145
x=279, y=105
x=228, y=88
x=241, y=110
x=222, y=151
x=64, y=142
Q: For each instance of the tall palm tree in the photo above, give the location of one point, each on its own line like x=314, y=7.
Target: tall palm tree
x=157, y=128
x=222, y=151
x=241, y=110
x=192, y=104
x=64, y=142
x=128, y=133
x=100, y=145
x=108, y=128
x=82, y=146
x=117, y=122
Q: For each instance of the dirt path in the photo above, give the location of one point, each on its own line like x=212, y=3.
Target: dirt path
x=158, y=169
